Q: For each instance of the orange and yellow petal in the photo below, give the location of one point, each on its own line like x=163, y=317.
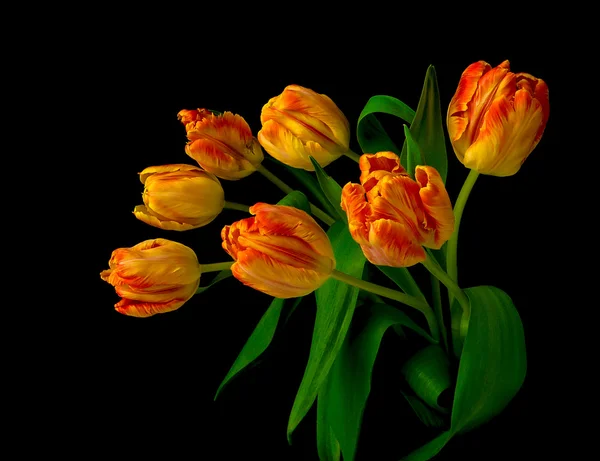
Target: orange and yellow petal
x=392, y=243
x=146, y=309
x=437, y=204
x=171, y=168
x=357, y=209
x=143, y=214
x=269, y=276
x=387, y=162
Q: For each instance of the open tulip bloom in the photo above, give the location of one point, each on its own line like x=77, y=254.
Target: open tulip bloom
x=395, y=215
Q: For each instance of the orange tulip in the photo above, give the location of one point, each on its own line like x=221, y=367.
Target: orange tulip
x=300, y=123
x=153, y=277
x=391, y=216
x=280, y=251
x=221, y=144
x=496, y=118
x=179, y=197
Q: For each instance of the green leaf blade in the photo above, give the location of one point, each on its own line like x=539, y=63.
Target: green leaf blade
x=336, y=302
x=296, y=199
x=331, y=189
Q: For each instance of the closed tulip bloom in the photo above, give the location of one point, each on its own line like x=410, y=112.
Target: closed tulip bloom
x=300, y=123
x=179, y=197
x=153, y=277
x=392, y=216
x=221, y=144
x=280, y=251
x=496, y=118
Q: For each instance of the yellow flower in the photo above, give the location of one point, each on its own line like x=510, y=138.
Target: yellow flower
x=179, y=197
x=280, y=251
x=300, y=123
x=153, y=277
x=392, y=216
x=496, y=118
x=221, y=144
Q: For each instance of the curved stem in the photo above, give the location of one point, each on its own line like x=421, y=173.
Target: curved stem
x=236, y=206
x=287, y=189
x=353, y=155
x=459, y=206
x=411, y=301
x=215, y=267
x=437, y=308
x=432, y=266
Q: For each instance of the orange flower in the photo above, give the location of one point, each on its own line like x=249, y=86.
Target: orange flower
x=153, y=277
x=221, y=144
x=179, y=197
x=300, y=123
x=280, y=251
x=496, y=118
x=391, y=216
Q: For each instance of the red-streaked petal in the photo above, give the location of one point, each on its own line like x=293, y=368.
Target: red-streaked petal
x=146, y=309
x=358, y=211
x=262, y=273
x=381, y=161
x=437, y=204
x=391, y=243
x=539, y=90
x=143, y=214
x=171, y=168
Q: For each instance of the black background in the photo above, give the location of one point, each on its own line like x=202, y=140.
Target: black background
x=146, y=386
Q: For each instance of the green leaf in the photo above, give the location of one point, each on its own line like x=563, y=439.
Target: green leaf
x=328, y=446
x=259, y=340
x=220, y=276
x=336, y=302
x=371, y=135
x=425, y=413
x=428, y=374
x=296, y=199
x=401, y=277
x=427, y=127
x=414, y=156
x=349, y=382
x=492, y=365
x=331, y=189
x=308, y=180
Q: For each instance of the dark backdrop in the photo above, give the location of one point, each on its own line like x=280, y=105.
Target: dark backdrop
x=146, y=386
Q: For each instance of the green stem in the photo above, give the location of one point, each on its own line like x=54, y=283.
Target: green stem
x=432, y=266
x=287, y=189
x=437, y=308
x=236, y=206
x=353, y=155
x=411, y=301
x=215, y=267
x=459, y=206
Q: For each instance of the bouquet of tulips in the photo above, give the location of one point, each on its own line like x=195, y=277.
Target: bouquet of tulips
x=352, y=245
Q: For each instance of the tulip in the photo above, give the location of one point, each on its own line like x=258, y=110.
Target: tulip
x=221, y=144
x=391, y=216
x=496, y=118
x=153, y=277
x=280, y=251
x=300, y=123
x=179, y=197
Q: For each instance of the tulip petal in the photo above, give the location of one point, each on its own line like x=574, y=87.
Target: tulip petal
x=358, y=211
x=171, y=168
x=435, y=199
x=143, y=214
x=387, y=162
x=146, y=309
x=391, y=243
x=264, y=274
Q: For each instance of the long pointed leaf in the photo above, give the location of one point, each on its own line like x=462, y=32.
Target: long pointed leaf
x=220, y=276
x=331, y=189
x=336, y=302
x=296, y=199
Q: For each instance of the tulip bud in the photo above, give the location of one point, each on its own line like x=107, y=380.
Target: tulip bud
x=300, y=123
x=392, y=216
x=221, y=144
x=179, y=197
x=496, y=118
x=280, y=251
x=153, y=277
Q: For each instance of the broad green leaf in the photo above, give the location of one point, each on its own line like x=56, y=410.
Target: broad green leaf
x=349, y=382
x=260, y=338
x=492, y=365
x=220, y=276
x=331, y=189
x=296, y=199
x=308, y=180
x=328, y=446
x=428, y=374
x=427, y=127
x=371, y=135
x=336, y=302
x=401, y=277
x=414, y=156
